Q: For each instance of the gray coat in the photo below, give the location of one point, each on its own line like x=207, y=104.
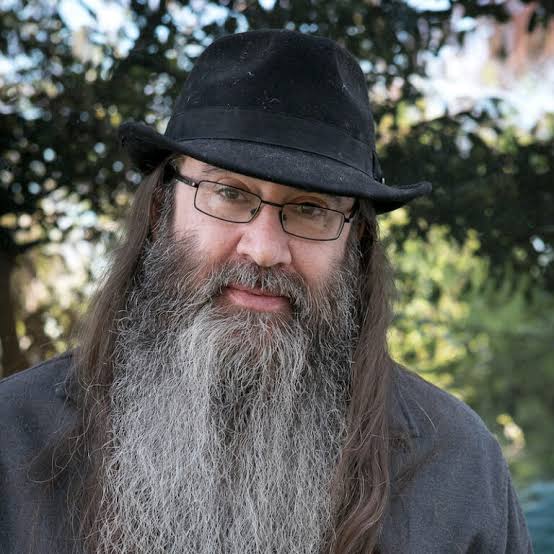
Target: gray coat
x=460, y=498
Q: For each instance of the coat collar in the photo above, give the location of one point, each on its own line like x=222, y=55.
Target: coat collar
x=402, y=404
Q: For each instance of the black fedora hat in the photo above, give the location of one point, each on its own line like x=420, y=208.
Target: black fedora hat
x=279, y=105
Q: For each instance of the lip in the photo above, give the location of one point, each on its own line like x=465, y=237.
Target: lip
x=256, y=291
x=256, y=299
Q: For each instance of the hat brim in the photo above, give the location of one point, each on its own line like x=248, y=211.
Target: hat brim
x=147, y=148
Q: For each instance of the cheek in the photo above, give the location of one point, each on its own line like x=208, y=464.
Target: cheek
x=216, y=240
x=315, y=261
x=189, y=221
x=183, y=215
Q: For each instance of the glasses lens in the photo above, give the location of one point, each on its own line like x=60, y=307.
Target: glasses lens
x=312, y=222
x=226, y=202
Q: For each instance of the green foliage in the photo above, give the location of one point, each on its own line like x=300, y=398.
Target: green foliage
x=487, y=341
x=496, y=181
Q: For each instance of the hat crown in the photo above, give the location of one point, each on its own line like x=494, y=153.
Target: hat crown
x=282, y=106
x=282, y=72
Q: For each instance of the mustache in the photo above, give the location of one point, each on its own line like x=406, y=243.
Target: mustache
x=177, y=266
x=270, y=280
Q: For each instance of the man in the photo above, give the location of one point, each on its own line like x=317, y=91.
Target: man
x=230, y=390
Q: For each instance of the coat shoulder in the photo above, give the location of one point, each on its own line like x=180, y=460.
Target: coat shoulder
x=34, y=412
x=454, y=487
x=37, y=382
x=431, y=412
x=33, y=403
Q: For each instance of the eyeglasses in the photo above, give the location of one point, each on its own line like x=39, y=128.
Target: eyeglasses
x=236, y=205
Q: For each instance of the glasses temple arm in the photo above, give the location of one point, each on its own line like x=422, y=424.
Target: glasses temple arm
x=353, y=212
x=185, y=180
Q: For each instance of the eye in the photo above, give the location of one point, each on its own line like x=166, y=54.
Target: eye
x=310, y=210
x=231, y=194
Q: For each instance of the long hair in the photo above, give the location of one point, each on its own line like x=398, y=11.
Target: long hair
x=363, y=479
x=361, y=485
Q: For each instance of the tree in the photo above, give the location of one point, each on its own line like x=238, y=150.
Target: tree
x=487, y=342
x=66, y=90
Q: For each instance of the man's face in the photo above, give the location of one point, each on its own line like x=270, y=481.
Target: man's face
x=228, y=411
x=263, y=240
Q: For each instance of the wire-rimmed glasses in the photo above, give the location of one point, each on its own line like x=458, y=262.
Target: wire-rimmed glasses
x=236, y=205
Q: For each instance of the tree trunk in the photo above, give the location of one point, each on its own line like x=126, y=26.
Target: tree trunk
x=12, y=359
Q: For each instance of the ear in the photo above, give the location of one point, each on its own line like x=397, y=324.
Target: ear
x=361, y=230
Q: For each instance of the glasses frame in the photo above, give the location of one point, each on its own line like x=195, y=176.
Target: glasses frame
x=195, y=184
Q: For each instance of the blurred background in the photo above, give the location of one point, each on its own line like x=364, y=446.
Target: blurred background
x=463, y=95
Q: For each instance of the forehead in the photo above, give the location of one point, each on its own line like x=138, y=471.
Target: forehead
x=201, y=170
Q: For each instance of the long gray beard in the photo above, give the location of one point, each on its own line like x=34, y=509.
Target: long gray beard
x=226, y=424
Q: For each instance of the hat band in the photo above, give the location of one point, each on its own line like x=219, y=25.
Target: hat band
x=271, y=128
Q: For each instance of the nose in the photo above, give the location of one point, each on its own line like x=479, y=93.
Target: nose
x=264, y=241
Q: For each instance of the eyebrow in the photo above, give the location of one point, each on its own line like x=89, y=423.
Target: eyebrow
x=209, y=170
x=338, y=201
